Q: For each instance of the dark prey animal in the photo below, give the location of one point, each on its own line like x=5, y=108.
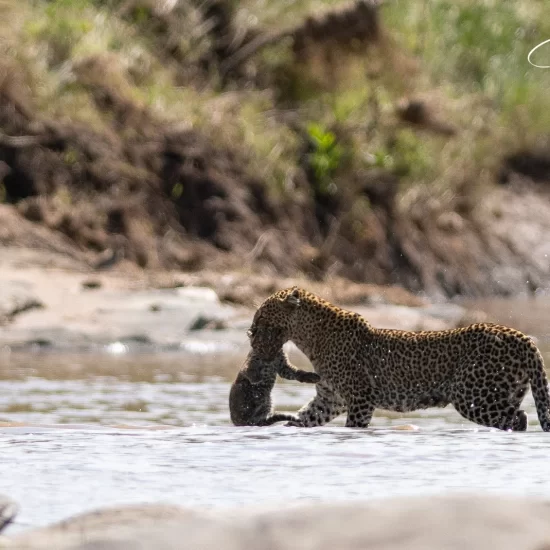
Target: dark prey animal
x=250, y=395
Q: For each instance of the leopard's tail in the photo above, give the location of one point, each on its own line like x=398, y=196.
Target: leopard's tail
x=539, y=387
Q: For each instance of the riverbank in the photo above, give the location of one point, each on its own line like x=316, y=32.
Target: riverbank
x=49, y=301
x=324, y=139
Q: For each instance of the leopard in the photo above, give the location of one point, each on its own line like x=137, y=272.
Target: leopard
x=250, y=394
x=484, y=370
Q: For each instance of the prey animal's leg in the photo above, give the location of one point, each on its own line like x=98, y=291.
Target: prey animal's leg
x=287, y=370
x=280, y=417
x=290, y=372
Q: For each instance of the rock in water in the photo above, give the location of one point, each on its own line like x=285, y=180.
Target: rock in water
x=8, y=511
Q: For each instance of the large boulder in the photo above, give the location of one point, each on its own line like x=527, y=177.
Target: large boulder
x=425, y=523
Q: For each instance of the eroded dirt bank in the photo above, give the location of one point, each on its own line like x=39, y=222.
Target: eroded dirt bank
x=225, y=220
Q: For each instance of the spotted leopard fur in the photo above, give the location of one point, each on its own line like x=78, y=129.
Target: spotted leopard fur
x=484, y=370
x=250, y=395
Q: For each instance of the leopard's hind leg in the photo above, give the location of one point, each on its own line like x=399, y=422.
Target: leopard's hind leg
x=491, y=397
x=520, y=421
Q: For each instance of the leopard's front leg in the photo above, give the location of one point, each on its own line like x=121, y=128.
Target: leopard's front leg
x=323, y=408
x=360, y=413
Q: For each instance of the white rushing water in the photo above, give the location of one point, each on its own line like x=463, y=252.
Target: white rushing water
x=80, y=432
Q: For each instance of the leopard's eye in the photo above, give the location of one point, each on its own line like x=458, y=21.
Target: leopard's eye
x=251, y=332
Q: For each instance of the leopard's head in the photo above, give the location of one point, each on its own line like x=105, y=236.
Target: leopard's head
x=273, y=322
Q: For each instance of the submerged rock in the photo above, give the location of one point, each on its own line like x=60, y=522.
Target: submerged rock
x=8, y=511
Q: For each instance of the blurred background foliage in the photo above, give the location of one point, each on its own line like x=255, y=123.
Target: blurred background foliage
x=216, y=121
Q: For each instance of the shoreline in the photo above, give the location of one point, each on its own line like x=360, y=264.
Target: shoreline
x=48, y=303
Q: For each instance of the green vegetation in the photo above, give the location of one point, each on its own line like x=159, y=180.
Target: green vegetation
x=325, y=157
x=481, y=48
x=467, y=51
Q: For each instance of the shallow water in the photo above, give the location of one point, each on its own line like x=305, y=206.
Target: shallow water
x=79, y=432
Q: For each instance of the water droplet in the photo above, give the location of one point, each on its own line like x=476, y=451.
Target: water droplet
x=117, y=348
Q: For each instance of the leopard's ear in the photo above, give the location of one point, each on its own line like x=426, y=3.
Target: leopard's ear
x=293, y=298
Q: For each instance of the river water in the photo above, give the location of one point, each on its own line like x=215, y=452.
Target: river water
x=84, y=431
